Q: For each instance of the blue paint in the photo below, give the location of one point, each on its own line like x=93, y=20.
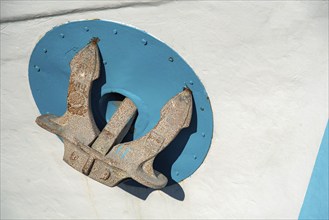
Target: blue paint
x=148, y=72
x=315, y=204
x=118, y=150
x=124, y=153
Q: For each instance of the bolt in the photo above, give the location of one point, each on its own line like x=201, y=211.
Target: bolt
x=104, y=62
x=203, y=134
x=191, y=82
x=62, y=35
x=177, y=173
x=195, y=157
x=45, y=50
x=144, y=41
x=86, y=29
x=201, y=108
x=171, y=59
x=115, y=31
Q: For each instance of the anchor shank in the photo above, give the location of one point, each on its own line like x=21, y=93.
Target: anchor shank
x=117, y=128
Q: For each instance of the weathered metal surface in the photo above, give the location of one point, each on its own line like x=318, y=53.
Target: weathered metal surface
x=135, y=158
x=102, y=156
x=117, y=128
x=77, y=124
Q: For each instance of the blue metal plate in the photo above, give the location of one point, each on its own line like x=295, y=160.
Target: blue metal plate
x=135, y=65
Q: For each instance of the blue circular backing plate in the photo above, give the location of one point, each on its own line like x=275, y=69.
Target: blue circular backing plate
x=136, y=65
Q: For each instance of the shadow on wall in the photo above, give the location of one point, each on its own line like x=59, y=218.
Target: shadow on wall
x=163, y=162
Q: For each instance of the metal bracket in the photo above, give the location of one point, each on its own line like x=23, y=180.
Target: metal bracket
x=101, y=155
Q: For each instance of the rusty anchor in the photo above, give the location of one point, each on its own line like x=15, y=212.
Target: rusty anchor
x=101, y=155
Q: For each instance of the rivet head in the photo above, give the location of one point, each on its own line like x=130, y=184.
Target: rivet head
x=171, y=59
x=115, y=31
x=45, y=50
x=37, y=68
x=191, y=83
x=195, y=157
x=202, y=108
x=74, y=156
x=86, y=29
x=144, y=41
x=203, y=134
x=104, y=62
x=177, y=173
x=62, y=35
x=105, y=175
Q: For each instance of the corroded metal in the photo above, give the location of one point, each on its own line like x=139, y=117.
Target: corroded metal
x=117, y=128
x=135, y=159
x=77, y=123
x=101, y=156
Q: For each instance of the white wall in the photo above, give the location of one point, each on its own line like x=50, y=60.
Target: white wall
x=265, y=67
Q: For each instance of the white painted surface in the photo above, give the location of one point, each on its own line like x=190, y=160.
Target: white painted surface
x=265, y=67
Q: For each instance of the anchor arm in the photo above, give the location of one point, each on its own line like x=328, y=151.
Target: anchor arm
x=77, y=123
x=136, y=158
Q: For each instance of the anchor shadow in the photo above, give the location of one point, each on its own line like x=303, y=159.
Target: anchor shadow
x=163, y=161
